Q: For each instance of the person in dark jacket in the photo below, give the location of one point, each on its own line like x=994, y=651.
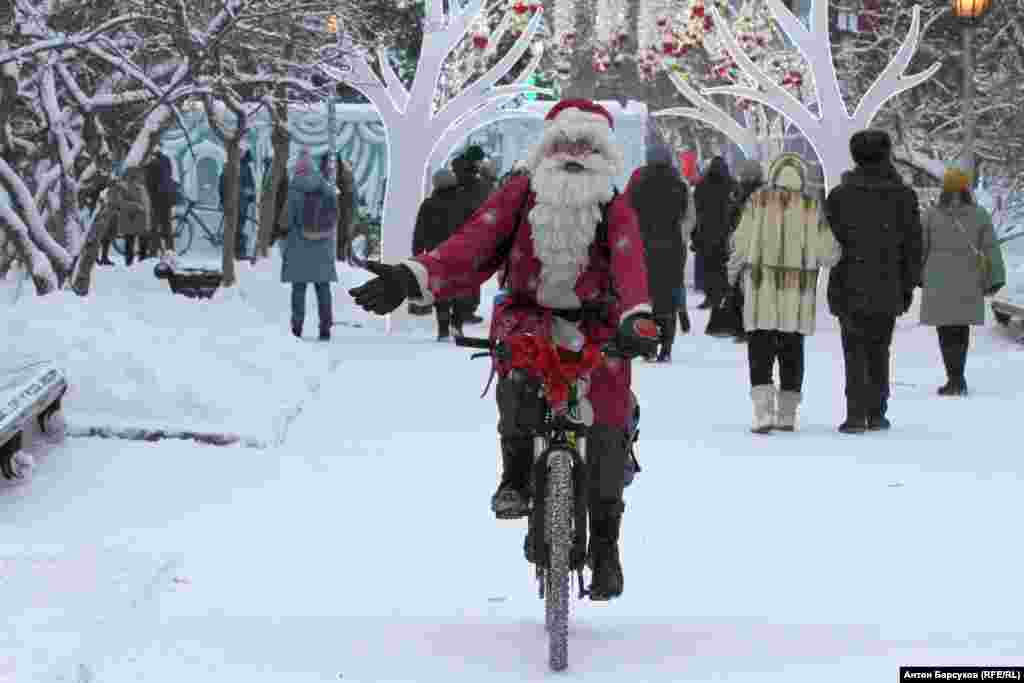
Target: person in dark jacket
x=246, y=197
x=712, y=200
x=434, y=225
x=163, y=193
x=474, y=189
x=750, y=177
x=346, y=201
x=659, y=197
x=346, y=208
x=876, y=220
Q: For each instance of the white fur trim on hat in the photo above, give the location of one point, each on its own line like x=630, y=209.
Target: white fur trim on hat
x=574, y=123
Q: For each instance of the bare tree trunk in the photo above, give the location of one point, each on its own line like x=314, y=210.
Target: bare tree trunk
x=82, y=278
x=233, y=147
x=583, y=81
x=232, y=141
x=279, y=164
x=278, y=170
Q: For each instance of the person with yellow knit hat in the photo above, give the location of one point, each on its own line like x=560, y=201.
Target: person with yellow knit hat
x=962, y=265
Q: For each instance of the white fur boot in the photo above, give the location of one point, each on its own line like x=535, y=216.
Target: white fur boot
x=785, y=419
x=763, y=396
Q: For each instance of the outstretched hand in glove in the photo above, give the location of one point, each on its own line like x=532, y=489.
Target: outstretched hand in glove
x=387, y=291
x=638, y=335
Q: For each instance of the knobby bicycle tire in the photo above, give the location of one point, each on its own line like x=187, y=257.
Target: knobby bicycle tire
x=559, y=537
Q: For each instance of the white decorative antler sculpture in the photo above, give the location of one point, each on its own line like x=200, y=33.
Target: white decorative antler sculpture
x=829, y=129
x=415, y=132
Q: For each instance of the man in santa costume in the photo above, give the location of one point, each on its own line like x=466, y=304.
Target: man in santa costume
x=574, y=273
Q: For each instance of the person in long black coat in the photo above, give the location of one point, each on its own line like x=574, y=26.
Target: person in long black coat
x=658, y=194
x=163, y=195
x=750, y=178
x=712, y=200
x=440, y=215
x=474, y=189
x=876, y=220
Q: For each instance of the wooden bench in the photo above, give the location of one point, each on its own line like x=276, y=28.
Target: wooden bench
x=194, y=283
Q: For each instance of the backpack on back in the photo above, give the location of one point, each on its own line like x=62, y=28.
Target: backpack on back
x=319, y=216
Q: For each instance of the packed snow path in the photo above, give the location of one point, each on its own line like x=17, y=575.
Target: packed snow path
x=364, y=550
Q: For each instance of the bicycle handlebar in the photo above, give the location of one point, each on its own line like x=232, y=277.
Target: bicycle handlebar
x=473, y=343
x=609, y=349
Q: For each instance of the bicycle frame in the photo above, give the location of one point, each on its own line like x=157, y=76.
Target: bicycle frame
x=559, y=514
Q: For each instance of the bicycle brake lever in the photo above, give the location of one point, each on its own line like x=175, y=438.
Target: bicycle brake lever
x=482, y=354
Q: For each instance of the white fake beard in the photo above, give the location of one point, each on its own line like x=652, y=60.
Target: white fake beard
x=567, y=211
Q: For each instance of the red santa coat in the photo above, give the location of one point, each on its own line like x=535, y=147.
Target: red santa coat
x=460, y=265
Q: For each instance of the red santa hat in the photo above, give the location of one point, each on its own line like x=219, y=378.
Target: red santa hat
x=590, y=110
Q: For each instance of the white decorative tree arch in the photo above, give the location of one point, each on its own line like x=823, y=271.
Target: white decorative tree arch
x=414, y=130
x=829, y=130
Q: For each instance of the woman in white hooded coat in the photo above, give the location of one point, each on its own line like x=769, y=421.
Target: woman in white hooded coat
x=777, y=252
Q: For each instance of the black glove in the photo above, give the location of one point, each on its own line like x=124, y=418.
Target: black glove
x=387, y=291
x=908, y=299
x=638, y=335
x=994, y=289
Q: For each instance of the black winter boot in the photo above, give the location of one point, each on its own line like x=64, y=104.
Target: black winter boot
x=603, y=554
x=443, y=326
x=954, y=387
x=684, y=320
x=512, y=499
x=877, y=421
x=325, y=332
x=856, y=419
x=954, y=355
x=297, y=328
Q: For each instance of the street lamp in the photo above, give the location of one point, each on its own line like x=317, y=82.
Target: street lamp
x=970, y=13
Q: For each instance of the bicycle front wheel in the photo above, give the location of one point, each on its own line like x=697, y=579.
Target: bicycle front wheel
x=559, y=537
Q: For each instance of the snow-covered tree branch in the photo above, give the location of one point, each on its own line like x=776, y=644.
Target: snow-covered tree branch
x=416, y=129
x=830, y=127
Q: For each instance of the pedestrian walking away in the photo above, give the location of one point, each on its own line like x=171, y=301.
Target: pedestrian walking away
x=310, y=248
x=875, y=217
x=963, y=264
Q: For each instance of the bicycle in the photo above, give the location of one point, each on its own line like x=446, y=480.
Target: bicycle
x=185, y=219
x=559, y=471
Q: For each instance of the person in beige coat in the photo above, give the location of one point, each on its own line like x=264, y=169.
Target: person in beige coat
x=962, y=265
x=777, y=251
x=130, y=212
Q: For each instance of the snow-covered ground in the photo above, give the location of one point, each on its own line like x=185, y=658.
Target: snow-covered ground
x=144, y=358
x=363, y=549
